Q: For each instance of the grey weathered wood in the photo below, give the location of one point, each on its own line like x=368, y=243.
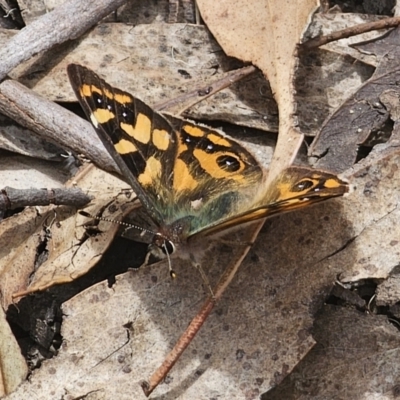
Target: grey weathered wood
x=66, y=22
x=11, y=198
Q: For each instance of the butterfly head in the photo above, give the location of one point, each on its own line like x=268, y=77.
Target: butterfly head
x=166, y=245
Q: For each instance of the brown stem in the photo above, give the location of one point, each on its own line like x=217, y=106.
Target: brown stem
x=352, y=31
x=195, y=96
x=185, y=339
x=179, y=348
x=11, y=198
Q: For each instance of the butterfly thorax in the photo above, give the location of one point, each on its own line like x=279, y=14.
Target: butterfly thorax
x=194, y=213
x=176, y=232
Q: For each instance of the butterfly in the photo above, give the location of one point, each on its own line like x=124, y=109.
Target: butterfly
x=193, y=181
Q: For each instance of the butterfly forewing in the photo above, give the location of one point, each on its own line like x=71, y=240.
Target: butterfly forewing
x=139, y=140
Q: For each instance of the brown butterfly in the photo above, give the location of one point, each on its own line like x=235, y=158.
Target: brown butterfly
x=193, y=181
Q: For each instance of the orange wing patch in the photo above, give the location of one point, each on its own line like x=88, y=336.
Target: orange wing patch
x=101, y=116
x=125, y=147
x=122, y=98
x=161, y=139
x=193, y=130
x=332, y=183
x=88, y=90
x=151, y=173
x=141, y=131
x=183, y=180
x=220, y=140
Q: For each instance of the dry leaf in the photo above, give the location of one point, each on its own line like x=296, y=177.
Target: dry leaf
x=373, y=210
x=360, y=351
x=363, y=114
x=388, y=292
x=20, y=140
x=326, y=76
x=22, y=173
x=326, y=23
x=20, y=236
x=156, y=64
x=13, y=368
x=266, y=33
x=54, y=238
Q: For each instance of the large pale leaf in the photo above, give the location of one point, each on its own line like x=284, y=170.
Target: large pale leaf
x=13, y=368
x=266, y=33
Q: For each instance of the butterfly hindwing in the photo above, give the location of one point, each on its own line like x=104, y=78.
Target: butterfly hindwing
x=294, y=188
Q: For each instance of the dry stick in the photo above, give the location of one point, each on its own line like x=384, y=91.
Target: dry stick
x=200, y=94
x=197, y=322
x=348, y=32
x=66, y=22
x=53, y=123
x=11, y=198
x=60, y=126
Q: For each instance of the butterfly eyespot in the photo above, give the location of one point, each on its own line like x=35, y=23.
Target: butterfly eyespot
x=97, y=98
x=210, y=147
x=127, y=114
x=303, y=185
x=228, y=163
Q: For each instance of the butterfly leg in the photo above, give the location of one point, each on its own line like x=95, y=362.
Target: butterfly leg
x=204, y=277
x=195, y=325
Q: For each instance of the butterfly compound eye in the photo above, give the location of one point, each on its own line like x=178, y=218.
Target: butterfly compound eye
x=168, y=247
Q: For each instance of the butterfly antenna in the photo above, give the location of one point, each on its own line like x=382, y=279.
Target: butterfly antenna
x=164, y=246
x=140, y=228
x=172, y=273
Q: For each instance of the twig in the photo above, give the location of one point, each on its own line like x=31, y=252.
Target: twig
x=348, y=32
x=66, y=22
x=11, y=198
x=197, y=322
x=195, y=96
x=53, y=123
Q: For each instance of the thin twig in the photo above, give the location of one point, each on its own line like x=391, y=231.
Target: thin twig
x=348, y=32
x=11, y=198
x=195, y=96
x=197, y=322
